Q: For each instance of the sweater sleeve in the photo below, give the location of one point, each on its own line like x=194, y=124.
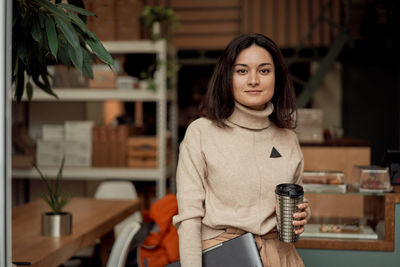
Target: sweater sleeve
x=191, y=173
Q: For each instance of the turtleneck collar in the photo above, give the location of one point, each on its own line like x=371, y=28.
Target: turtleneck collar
x=250, y=118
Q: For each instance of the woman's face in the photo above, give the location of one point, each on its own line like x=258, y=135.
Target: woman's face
x=253, y=77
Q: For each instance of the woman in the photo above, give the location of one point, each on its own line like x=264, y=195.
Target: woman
x=233, y=157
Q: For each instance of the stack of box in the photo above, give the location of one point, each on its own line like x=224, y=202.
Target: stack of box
x=310, y=126
x=78, y=143
x=142, y=151
x=103, y=77
x=72, y=140
x=50, y=149
x=109, y=145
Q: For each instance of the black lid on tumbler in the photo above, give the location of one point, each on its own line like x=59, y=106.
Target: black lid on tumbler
x=289, y=190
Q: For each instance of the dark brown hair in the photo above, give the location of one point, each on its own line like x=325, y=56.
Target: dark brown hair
x=218, y=103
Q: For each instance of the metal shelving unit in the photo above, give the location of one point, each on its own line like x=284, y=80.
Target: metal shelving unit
x=161, y=96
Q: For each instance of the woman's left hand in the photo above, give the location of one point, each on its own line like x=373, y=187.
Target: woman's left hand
x=300, y=218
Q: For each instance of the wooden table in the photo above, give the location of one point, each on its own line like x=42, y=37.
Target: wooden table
x=91, y=219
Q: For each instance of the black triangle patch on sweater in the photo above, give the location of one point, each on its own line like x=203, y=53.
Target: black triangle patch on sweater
x=275, y=153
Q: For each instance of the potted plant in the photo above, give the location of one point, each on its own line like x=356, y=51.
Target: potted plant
x=160, y=21
x=55, y=222
x=47, y=33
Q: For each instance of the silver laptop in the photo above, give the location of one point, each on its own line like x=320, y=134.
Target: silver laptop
x=240, y=251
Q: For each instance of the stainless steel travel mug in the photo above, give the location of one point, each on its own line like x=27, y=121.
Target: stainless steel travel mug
x=287, y=198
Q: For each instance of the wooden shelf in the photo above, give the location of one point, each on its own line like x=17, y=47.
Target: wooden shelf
x=84, y=94
x=166, y=118
x=137, y=46
x=91, y=173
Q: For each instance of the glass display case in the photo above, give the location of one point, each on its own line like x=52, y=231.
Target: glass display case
x=343, y=217
x=351, y=220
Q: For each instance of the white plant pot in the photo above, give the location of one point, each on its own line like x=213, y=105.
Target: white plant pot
x=56, y=225
x=156, y=28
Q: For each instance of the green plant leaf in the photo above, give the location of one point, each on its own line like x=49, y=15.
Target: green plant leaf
x=47, y=86
x=29, y=90
x=64, y=199
x=36, y=32
x=19, y=84
x=86, y=66
x=63, y=53
x=99, y=50
x=68, y=30
x=44, y=86
x=79, y=22
x=16, y=67
x=59, y=177
x=54, y=199
x=75, y=55
x=76, y=9
x=42, y=18
x=22, y=51
x=50, y=197
x=52, y=8
x=75, y=19
x=51, y=36
x=49, y=202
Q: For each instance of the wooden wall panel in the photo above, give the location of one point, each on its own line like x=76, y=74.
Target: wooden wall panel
x=316, y=34
x=293, y=22
x=208, y=24
x=211, y=15
x=256, y=17
x=325, y=158
x=202, y=42
x=326, y=36
x=209, y=28
x=335, y=18
x=304, y=21
x=281, y=21
x=270, y=18
x=287, y=22
x=205, y=3
x=244, y=16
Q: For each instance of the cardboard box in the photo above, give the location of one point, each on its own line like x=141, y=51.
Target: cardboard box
x=78, y=160
x=53, y=132
x=142, y=162
x=78, y=130
x=50, y=146
x=45, y=159
x=49, y=152
x=65, y=77
x=142, y=151
x=103, y=77
x=109, y=145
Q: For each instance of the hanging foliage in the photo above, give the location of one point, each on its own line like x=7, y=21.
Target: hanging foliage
x=45, y=33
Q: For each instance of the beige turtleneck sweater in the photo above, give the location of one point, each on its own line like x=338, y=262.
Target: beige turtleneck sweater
x=226, y=177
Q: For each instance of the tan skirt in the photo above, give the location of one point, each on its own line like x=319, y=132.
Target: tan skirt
x=273, y=252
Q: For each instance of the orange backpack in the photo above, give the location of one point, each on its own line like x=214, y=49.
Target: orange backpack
x=161, y=246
